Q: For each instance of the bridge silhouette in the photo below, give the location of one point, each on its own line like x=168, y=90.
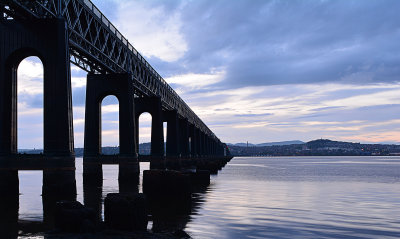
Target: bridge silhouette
x=60, y=32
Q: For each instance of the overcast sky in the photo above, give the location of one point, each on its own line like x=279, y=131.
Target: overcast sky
x=256, y=71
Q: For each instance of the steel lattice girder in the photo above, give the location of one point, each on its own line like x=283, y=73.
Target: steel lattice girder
x=97, y=46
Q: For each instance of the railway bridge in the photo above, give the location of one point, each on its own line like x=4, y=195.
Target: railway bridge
x=60, y=32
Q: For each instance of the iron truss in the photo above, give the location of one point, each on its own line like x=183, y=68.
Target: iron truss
x=97, y=46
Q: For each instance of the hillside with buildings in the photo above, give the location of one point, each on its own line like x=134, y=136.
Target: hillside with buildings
x=320, y=147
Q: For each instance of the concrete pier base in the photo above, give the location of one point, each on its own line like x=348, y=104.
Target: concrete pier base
x=167, y=189
x=173, y=163
x=128, y=177
x=200, y=178
x=57, y=185
x=9, y=183
x=92, y=187
x=166, y=183
x=125, y=211
x=157, y=163
x=92, y=173
x=9, y=204
x=169, y=196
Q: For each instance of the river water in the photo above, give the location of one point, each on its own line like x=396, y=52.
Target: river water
x=275, y=197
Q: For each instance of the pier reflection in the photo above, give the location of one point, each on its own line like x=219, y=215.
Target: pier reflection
x=57, y=185
x=9, y=203
x=173, y=216
x=165, y=216
x=128, y=182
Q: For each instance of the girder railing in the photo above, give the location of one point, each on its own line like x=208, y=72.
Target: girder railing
x=97, y=46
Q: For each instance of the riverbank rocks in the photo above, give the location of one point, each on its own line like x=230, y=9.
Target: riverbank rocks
x=72, y=216
x=125, y=211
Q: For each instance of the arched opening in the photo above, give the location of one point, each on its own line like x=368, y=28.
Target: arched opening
x=30, y=106
x=30, y=135
x=165, y=125
x=110, y=125
x=110, y=141
x=190, y=145
x=144, y=127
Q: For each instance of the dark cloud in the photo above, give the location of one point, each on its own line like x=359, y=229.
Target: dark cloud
x=285, y=42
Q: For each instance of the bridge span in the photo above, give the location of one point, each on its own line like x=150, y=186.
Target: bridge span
x=60, y=32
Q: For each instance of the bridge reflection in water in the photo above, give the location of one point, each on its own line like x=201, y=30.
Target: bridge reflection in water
x=164, y=216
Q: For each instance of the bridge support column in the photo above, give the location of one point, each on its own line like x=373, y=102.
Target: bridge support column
x=9, y=204
x=208, y=143
x=184, y=137
x=98, y=87
x=203, y=144
x=154, y=107
x=199, y=143
x=173, y=149
x=193, y=141
x=92, y=187
x=48, y=40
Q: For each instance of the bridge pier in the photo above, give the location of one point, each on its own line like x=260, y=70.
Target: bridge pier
x=184, y=138
x=153, y=106
x=98, y=87
x=93, y=187
x=48, y=40
x=193, y=141
x=197, y=142
x=9, y=203
x=173, y=140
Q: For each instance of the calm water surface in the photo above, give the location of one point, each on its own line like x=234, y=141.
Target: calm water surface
x=281, y=197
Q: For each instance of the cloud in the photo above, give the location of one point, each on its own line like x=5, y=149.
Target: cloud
x=153, y=30
x=30, y=77
x=299, y=111
x=277, y=42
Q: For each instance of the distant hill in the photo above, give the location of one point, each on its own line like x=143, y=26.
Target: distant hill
x=319, y=147
x=269, y=144
x=281, y=143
